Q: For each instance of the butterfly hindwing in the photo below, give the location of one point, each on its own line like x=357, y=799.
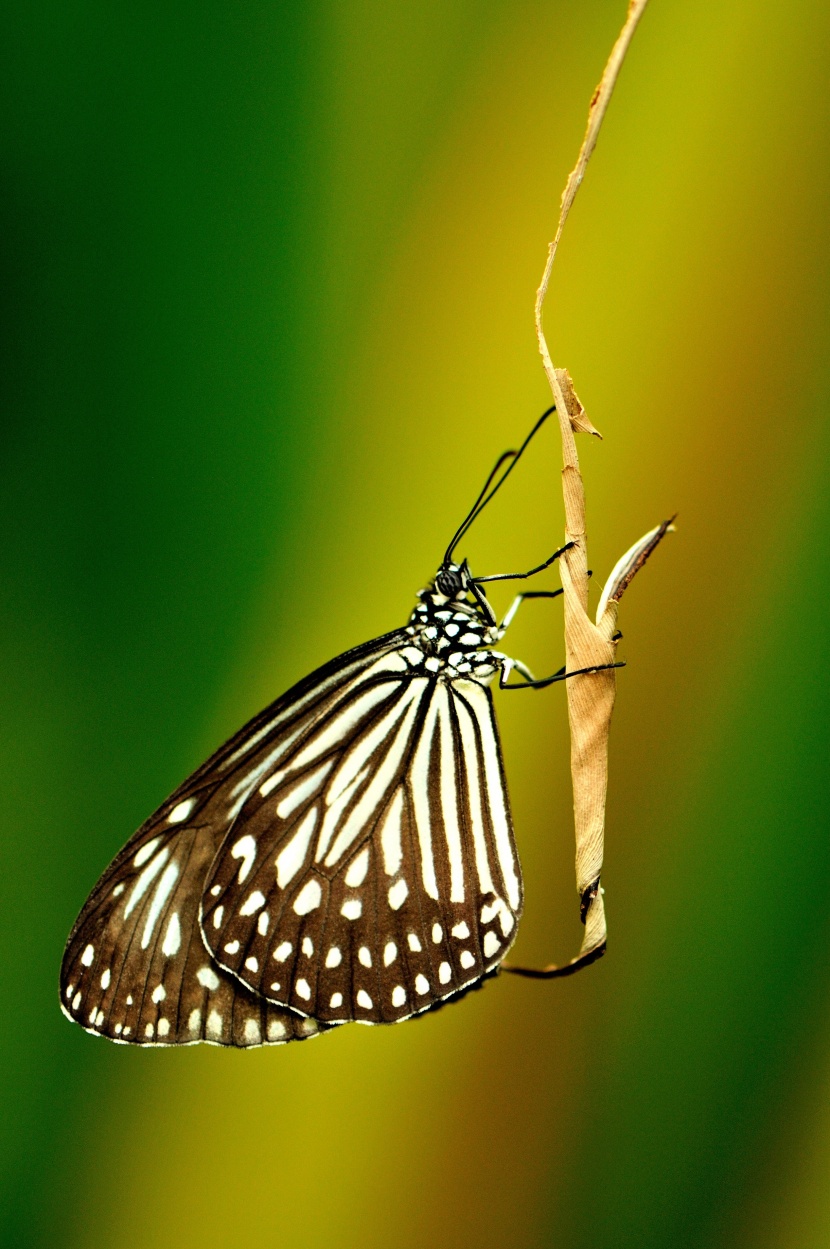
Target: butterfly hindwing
x=373, y=873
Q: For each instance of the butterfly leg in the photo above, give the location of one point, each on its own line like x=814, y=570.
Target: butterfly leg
x=516, y=604
x=521, y=576
x=530, y=684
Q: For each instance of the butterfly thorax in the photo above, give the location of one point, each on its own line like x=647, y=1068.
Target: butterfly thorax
x=453, y=629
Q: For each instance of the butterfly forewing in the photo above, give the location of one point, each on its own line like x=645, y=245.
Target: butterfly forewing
x=373, y=872
x=136, y=968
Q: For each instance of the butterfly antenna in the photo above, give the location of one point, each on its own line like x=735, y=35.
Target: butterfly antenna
x=473, y=512
x=486, y=494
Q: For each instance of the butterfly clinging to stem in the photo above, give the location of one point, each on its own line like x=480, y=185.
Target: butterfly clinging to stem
x=348, y=856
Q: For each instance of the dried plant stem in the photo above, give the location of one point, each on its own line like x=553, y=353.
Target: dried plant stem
x=573, y=490
x=587, y=644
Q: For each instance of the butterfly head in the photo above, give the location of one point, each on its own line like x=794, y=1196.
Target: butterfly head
x=452, y=580
x=454, y=589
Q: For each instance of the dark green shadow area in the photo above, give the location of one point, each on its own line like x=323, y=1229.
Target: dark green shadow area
x=156, y=354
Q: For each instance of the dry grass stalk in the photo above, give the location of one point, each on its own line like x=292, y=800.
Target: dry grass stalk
x=588, y=644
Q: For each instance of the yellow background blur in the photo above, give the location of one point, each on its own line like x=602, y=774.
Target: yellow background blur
x=268, y=285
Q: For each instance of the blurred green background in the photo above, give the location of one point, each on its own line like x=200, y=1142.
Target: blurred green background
x=268, y=274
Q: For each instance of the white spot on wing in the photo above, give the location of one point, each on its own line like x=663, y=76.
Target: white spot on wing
x=309, y=897
x=181, y=811
x=88, y=955
x=364, y=1000
x=208, y=978
x=253, y=903
x=390, y=953
x=461, y=931
x=421, y=985
x=293, y=854
x=308, y=947
x=414, y=943
x=398, y=894
x=159, y=993
x=334, y=958
x=244, y=849
x=282, y=951
x=467, y=959
x=364, y=956
x=251, y=1032
x=262, y=923
x=358, y=868
x=218, y=916
x=444, y=973
x=252, y=963
x=232, y=947
x=490, y=944
x=276, y=1030
x=146, y=852
x=352, y=908
x=194, y=1021
x=164, y=1027
x=336, y=1000
x=213, y=1029
x=398, y=995
x=437, y=933
x=173, y=936
x=302, y=989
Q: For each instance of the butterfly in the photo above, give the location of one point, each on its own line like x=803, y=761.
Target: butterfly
x=348, y=856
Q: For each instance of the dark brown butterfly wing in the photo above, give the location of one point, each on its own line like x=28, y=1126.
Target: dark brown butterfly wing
x=136, y=968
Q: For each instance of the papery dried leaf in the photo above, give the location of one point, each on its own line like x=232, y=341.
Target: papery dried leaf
x=580, y=423
x=628, y=565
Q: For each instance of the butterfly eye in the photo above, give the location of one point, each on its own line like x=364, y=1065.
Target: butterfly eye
x=448, y=582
